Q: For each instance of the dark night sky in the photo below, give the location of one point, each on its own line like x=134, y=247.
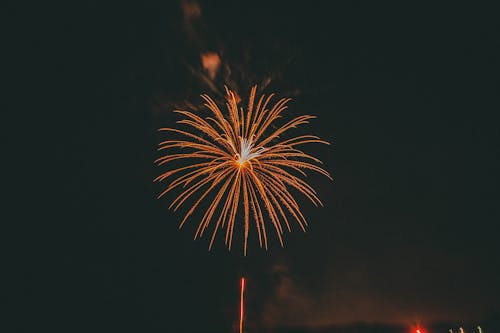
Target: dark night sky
x=408, y=95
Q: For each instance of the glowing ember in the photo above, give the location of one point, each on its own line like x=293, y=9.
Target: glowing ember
x=211, y=63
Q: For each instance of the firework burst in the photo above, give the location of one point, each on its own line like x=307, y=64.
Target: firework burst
x=239, y=160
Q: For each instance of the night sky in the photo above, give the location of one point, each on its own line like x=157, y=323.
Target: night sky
x=406, y=93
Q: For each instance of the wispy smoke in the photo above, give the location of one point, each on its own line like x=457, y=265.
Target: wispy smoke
x=352, y=292
x=190, y=9
x=209, y=62
x=289, y=305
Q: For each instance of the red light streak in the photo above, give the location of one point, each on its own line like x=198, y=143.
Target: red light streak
x=241, y=303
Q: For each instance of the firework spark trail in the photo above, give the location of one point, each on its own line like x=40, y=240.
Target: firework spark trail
x=240, y=158
x=242, y=303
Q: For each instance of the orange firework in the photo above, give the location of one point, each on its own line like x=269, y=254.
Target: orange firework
x=240, y=160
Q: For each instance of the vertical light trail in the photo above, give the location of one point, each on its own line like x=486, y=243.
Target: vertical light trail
x=241, y=303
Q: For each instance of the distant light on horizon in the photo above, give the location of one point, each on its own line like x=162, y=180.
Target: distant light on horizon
x=419, y=329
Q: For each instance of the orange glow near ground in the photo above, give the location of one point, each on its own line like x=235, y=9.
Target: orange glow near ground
x=419, y=329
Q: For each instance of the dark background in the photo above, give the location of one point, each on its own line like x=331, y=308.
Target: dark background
x=407, y=94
